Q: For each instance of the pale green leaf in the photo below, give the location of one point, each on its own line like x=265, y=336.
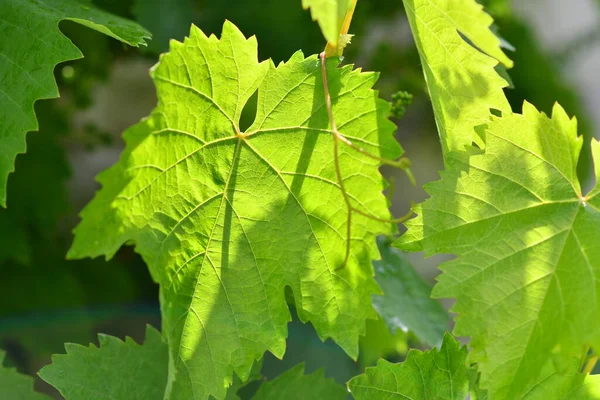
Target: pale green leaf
x=569, y=384
x=330, y=16
x=114, y=371
x=406, y=303
x=15, y=386
x=526, y=240
x=226, y=219
x=433, y=375
x=462, y=81
x=295, y=385
x=30, y=47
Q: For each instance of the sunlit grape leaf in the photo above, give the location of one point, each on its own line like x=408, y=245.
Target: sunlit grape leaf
x=433, y=375
x=526, y=241
x=227, y=219
x=30, y=47
x=461, y=79
x=115, y=370
x=330, y=16
x=295, y=385
x=15, y=386
x=569, y=384
x=406, y=303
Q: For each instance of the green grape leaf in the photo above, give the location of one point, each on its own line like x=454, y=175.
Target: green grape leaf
x=431, y=375
x=227, y=219
x=462, y=81
x=115, y=370
x=563, y=385
x=294, y=384
x=330, y=15
x=526, y=240
x=31, y=46
x=406, y=303
x=16, y=386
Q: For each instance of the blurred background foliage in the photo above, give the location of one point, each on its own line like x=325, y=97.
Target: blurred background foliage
x=46, y=300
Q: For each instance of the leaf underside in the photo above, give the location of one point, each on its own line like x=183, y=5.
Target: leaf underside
x=461, y=79
x=30, y=47
x=526, y=240
x=433, y=375
x=226, y=219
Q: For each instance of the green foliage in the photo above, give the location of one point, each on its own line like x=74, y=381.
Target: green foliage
x=330, y=16
x=406, y=304
x=569, y=384
x=28, y=29
x=462, y=81
x=526, y=244
x=15, y=386
x=294, y=384
x=38, y=192
x=127, y=370
x=432, y=375
x=212, y=215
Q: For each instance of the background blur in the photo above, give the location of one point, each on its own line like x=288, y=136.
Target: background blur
x=46, y=300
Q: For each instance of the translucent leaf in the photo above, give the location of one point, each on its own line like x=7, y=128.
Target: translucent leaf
x=30, y=47
x=227, y=219
x=461, y=79
x=330, y=16
x=564, y=385
x=526, y=239
x=294, y=384
x=116, y=370
x=406, y=303
x=433, y=375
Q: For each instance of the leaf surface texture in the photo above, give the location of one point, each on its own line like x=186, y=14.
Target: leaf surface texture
x=116, y=370
x=227, y=219
x=431, y=375
x=461, y=79
x=295, y=385
x=526, y=240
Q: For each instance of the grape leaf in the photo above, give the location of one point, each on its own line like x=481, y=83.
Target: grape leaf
x=31, y=46
x=15, y=386
x=115, y=370
x=564, y=385
x=293, y=384
x=526, y=240
x=461, y=79
x=433, y=375
x=406, y=303
x=226, y=219
x=330, y=16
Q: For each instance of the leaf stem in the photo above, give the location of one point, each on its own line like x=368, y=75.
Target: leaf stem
x=338, y=137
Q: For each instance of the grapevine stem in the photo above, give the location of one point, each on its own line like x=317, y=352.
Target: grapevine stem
x=589, y=367
x=338, y=137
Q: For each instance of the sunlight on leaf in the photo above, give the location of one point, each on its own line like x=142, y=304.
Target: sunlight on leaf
x=227, y=219
x=526, y=240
